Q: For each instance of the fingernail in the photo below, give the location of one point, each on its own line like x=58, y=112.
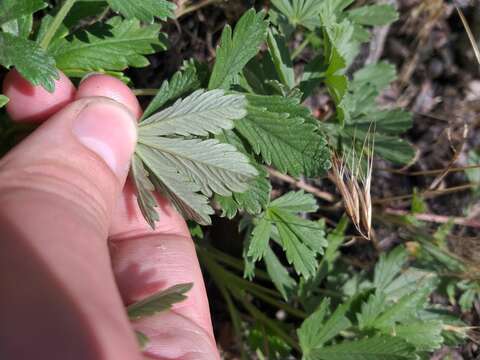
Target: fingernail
x=108, y=130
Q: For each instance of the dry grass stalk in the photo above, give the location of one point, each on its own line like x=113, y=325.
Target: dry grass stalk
x=354, y=185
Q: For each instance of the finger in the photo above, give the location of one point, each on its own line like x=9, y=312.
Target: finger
x=33, y=103
x=146, y=261
x=57, y=190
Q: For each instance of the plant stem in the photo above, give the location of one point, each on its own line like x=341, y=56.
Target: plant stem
x=57, y=21
x=298, y=50
x=145, y=92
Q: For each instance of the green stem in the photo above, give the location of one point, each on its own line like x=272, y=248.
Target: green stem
x=57, y=21
x=145, y=92
x=298, y=50
x=187, y=10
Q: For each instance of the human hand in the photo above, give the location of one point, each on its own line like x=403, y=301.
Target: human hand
x=74, y=247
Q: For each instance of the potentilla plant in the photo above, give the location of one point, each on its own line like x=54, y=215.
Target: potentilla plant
x=212, y=133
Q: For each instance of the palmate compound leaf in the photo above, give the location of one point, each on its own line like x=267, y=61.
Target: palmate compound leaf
x=236, y=51
x=159, y=302
x=114, y=45
x=188, y=170
x=29, y=60
x=200, y=113
x=145, y=10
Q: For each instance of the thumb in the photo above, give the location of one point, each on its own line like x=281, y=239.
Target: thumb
x=57, y=190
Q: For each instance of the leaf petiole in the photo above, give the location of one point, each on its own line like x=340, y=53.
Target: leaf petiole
x=57, y=21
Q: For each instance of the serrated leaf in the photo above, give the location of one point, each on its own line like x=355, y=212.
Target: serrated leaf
x=260, y=238
x=236, y=51
x=388, y=267
x=145, y=10
x=379, y=74
x=371, y=309
x=145, y=198
x=282, y=280
x=279, y=130
x=181, y=190
x=375, y=348
x=180, y=83
x=159, y=302
x=213, y=166
x=114, y=45
x=315, y=331
x=425, y=336
x=3, y=100
x=15, y=9
x=374, y=15
x=296, y=201
x=301, y=239
x=200, y=113
x=29, y=60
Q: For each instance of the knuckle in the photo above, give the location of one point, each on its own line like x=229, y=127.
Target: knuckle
x=59, y=183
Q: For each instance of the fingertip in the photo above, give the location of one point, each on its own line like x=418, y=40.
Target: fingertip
x=108, y=86
x=30, y=103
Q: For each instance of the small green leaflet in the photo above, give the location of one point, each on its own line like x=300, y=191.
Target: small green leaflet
x=3, y=100
x=29, y=59
x=235, y=51
x=282, y=280
x=145, y=10
x=182, y=168
x=114, y=45
x=145, y=188
x=374, y=15
x=301, y=239
x=375, y=348
x=159, y=302
x=300, y=12
x=180, y=83
x=316, y=331
x=15, y=9
x=281, y=131
x=200, y=113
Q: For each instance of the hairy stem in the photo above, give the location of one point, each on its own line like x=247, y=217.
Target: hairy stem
x=57, y=21
x=145, y=92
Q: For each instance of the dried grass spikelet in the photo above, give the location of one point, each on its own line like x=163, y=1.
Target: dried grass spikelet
x=354, y=184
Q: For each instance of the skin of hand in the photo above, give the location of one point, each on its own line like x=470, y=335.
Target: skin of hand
x=74, y=248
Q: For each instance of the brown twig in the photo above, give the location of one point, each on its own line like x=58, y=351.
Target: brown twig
x=430, y=172
x=302, y=185
x=184, y=10
x=439, y=219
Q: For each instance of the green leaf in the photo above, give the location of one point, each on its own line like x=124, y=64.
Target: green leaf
x=145, y=10
x=114, y=45
x=280, y=130
x=180, y=83
x=29, y=59
x=315, y=331
x=375, y=348
x=281, y=59
x=388, y=267
x=279, y=275
x=260, y=238
x=236, y=51
x=301, y=239
x=200, y=113
x=301, y=12
x=213, y=166
x=145, y=198
x=373, y=15
x=15, y=9
x=379, y=74
x=371, y=310
x=21, y=27
x=159, y=302
x=296, y=201
x=425, y=336
x=3, y=100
